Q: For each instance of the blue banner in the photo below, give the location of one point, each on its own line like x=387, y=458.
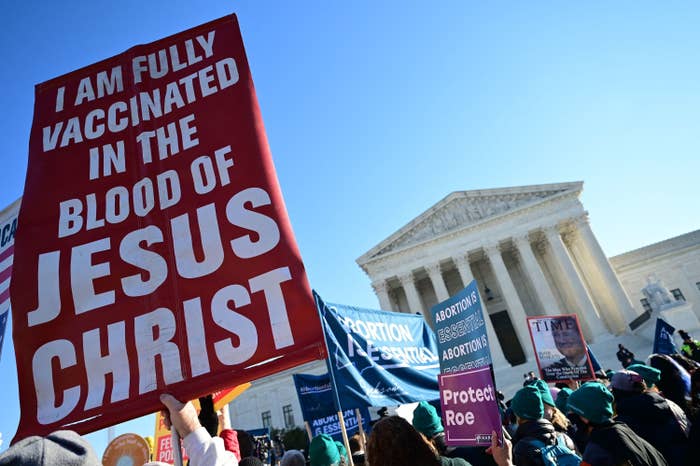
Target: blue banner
x=663, y=338
x=316, y=400
x=315, y=395
x=330, y=425
x=461, y=331
x=379, y=358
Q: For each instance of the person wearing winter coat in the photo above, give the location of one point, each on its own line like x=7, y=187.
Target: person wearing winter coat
x=551, y=411
x=609, y=443
x=650, y=416
x=533, y=429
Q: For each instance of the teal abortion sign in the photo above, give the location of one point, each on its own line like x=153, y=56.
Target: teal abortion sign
x=461, y=331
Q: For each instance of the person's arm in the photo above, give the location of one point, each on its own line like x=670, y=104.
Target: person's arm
x=229, y=436
x=202, y=449
x=502, y=454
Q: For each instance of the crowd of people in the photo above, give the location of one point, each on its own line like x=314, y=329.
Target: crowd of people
x=644, y=414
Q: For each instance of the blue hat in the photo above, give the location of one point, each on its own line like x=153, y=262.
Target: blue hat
x=543, y=388
x=563, y=399
x=527, y=403
x=651, y=375
x=426, y=421
x=323, y=451
x=592, y=401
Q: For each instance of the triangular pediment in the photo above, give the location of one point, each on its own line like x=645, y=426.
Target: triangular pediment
x=463, y=209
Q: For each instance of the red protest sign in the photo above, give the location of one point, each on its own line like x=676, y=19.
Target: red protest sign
x=155, y=252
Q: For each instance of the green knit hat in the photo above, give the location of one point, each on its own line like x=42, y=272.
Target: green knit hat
x=527, y=403
x=563, y=399
x=543, y=388
x=323, y=451
x=342, y=450
x=426, y=421
x=651, y=375
x=592, y=401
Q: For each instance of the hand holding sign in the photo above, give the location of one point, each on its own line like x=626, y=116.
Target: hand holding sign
x=182, y=416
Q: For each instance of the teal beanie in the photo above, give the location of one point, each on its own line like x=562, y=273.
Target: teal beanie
x=651, y=375
x=323, y=451
x=543, y=388
x=592, y=401
x=342, y=450
x=563, y=399
x=527, y=403
x=426, y=421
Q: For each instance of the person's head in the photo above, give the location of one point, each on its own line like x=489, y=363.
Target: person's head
x=685, y=336
x=627, y=383
x=547, y=398
x=323, y=451
x=563, y=399
x=342, y=450
x=619, y=346
x=651, y=375
x=592, y=402
x=293, y=458
x=527, y=404
x=567, y=338
x=63, y=447
x=395, y=442
x=245, y=442
x=355, y=443
x=426, y=420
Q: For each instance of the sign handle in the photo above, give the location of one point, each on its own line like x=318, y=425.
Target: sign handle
x=361, y=427
x=345, y=436
x=308, y=430
x=177, y=450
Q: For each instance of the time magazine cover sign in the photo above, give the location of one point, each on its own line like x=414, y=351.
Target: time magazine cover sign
x=561, y=351
x=155, y=252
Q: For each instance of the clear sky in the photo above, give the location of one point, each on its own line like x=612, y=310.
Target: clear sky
x=377, y=110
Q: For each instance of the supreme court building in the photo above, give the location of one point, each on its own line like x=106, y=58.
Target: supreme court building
x=532, y=252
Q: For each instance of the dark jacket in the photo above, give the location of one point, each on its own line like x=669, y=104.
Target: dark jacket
x=445, y=461
x=649, y=415
x=526, y=446
x=615, y=444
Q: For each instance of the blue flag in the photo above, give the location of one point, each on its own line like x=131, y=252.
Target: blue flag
x=594, y=361
x=663, y=338
x=379, y=358
x=316, y=400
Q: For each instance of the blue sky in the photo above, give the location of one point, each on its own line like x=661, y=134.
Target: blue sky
x=377, y=110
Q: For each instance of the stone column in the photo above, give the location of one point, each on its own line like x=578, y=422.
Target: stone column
x=539, y=281
x=623, y=305
x=497, y=357
x=381, y=289
x=438, y=282
x=412, y=296
x=591, y=324
x=510, y=295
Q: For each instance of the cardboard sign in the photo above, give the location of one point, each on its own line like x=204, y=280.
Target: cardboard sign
x=461, y=331
x=469, y=407
x=126, y=449
x=157, y=254
x=560, y=350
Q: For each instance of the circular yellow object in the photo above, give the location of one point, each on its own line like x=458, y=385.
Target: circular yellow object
x=126, y=450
